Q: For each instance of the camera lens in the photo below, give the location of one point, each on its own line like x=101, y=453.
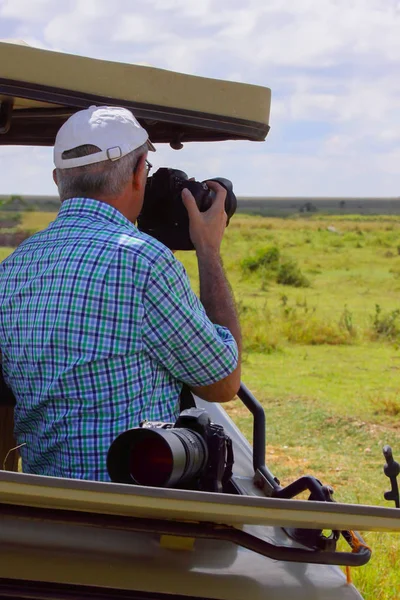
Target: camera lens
x=230, y=201
x=157, y=457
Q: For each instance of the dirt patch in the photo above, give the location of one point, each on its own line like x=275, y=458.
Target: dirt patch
x=283, y=455
x=8, y=223
x=13, y=239
x=9, y=220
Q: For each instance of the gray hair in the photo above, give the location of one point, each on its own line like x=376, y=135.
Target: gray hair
x=106, y=178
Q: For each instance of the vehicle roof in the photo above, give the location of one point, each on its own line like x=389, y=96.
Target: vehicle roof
x=40, y=89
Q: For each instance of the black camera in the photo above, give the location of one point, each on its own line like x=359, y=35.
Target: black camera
x=164, y=215
x=193, y=453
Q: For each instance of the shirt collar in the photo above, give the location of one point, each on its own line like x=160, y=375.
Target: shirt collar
x=88, y=207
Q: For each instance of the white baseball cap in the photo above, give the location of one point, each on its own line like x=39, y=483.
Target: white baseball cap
x=111, y=128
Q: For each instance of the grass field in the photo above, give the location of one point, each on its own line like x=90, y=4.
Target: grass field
x=321, y=354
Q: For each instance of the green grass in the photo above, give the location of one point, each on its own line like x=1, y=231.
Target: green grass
x=36, y=220
x=5, y=252
x=323, y=360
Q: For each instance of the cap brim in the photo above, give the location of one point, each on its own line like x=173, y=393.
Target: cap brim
x=150, y=146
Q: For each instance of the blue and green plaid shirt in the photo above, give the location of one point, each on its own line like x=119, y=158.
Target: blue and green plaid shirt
x=98, y=329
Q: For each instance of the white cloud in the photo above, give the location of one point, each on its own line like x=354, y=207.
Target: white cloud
x=173, y=54
x=32, y=11
x=317, y=33
x=339, y=145
x=71, y=31
x=93, y=8
x=190, y=8
x=137, y=28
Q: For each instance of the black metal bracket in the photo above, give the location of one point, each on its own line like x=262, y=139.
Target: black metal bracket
x=264, y=479
x=270, y=485
x=391, y=470
x=6, y=109
x=359, y=556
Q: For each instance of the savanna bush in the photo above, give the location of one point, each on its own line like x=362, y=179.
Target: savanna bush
x=9, y=220
x=386, y=324
x=266, y=331
x=304, y=326
x=314, y=331
x=269, y=264
x=260, y=331
x=264, y=259
x=289, y=273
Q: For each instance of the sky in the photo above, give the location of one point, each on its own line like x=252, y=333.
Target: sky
x=332, y=66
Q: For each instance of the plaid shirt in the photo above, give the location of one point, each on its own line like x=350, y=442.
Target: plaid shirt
x=98, y=329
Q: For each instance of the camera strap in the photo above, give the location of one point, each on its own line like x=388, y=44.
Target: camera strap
x=186, y=399
x=229, y=461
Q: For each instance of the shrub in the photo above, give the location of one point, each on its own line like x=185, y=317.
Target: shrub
x=387, y=406
x=13, y=239
x=301, y=325
x=302, y=329
x=264, y=259
x=346, y=322
x=395, y=271
x=268, y=264
x=9, y=220
x=386, y=324
x=259, y=329
x=289, y=274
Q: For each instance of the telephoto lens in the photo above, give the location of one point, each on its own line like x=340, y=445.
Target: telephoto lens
x=157, y=457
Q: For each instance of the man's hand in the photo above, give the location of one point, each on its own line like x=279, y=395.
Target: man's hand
x=207, y=228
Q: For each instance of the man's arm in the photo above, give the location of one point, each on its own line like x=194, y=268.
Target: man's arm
x=177, y=332
x=206, y=232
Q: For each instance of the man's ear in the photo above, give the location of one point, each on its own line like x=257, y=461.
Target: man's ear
x=55, y=176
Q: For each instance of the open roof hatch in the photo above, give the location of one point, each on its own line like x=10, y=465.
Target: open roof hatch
x=40, y=89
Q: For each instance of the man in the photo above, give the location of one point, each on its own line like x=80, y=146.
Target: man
x=98, y=325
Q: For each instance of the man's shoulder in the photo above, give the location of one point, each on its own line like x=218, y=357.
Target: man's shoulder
x=143, y=246
x=154, y=261
x=111, y=237
x=137, y=248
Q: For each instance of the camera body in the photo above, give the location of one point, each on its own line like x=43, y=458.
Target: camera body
x=164, y=215
x=192, y=453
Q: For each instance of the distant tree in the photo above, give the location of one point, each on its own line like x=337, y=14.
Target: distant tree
x=18, y=199
x=10, y=200
x=308, y=207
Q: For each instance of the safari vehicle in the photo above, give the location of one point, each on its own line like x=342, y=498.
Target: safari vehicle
x=232, y=532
